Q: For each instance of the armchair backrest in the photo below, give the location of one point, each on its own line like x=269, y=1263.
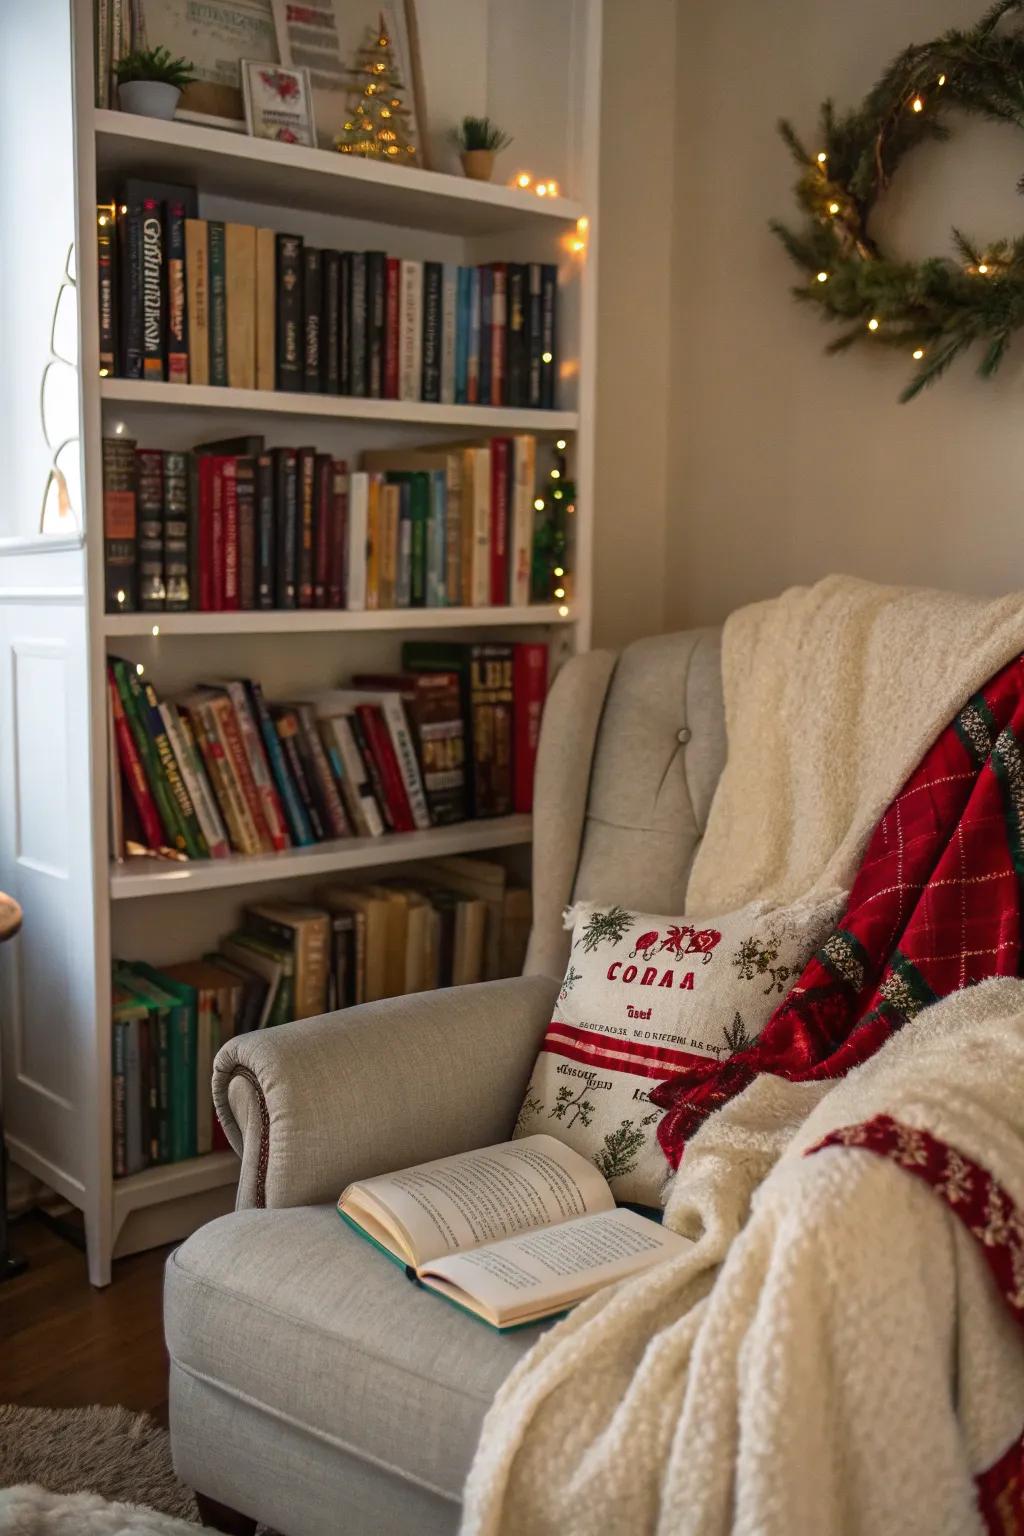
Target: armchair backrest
x=631, y=749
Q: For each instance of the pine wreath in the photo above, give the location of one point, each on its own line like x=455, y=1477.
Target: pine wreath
x=933, y=309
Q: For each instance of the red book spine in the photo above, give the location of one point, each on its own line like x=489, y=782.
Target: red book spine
x=391, y=328
x=387, y=765
x=207, y=593
x=339, y=533
x=499, y=310
x=231, y=592
x=501, y=458
x=239, y=764
x=134, y=772
x=322, y=529
x=529, y=689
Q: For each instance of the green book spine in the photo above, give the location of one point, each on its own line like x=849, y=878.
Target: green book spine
x=183, y=1031
x=163, y=1085
x=137, y=711
x=218, y=303
x=195, y=842
x=171, y=1017
x=282, y=1011
x=420, y=507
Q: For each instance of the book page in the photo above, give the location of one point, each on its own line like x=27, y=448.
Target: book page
x=545, y=1271
x=479, y=1197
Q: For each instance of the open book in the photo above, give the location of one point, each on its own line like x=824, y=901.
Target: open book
x=512, y=1233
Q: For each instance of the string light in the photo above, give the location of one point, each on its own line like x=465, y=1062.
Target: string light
x=983, y=269
x=523, y=180
x=559, y=591
x=833, y=207
x=917, y=354
x=559, y=571
x=578, y=244
x=545, y=357
x=872, y=324
x=556, y=474
x=563, y=612
x=942, y=80
x=139, y=668
x=538, y=505
x=104, y=372
x=155, y=630
x=120, y=597
x=560, y=445
x=822, y=277
x=542, y=189
x=822, y=157
x=917, y=104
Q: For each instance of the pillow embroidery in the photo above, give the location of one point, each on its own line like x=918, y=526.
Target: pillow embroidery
x=642, y=997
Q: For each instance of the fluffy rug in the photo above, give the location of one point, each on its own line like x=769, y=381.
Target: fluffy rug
x=121, y=1456
x=33, y=1511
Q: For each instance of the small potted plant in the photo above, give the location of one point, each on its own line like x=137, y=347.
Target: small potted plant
x=478, y=140
x=150, y=82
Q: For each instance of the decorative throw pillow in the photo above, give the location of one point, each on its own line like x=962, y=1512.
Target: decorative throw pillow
x=642, y=998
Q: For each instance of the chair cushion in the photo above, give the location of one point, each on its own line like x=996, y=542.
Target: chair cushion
x=292, y=1310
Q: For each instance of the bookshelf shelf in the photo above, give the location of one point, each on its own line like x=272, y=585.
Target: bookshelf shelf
x=173, y=879
x=174, y=1181
x=234, y=165
x=271, y=402
x=291, y=621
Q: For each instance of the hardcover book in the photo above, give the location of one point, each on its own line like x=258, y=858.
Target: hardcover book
x=510, y=1234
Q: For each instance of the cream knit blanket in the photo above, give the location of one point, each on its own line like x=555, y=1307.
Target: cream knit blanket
x=833, y=1354
x=793, y=1372
x=833, y=693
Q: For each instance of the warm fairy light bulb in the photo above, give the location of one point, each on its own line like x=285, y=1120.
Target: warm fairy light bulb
x=558, y=495
x=120, y=597
x=917, y=354
x=545, y=357
x=582, y=223
x=822, y=277
x=104, y=372
x=917, y=104
x=559, y=571
x=982, y=268
x=833, y=207
x=872, y=324
x=579, y=245
x=563, y=612
x=560, y=445
x=538, y=505
x=556, y=474
x=542, y=190
x=156, y=630
x=552, y=189
x=942, y=79
x=139, y=668
x=102, y=221
x=523, y=179
x=822, y=157
x=559, y=591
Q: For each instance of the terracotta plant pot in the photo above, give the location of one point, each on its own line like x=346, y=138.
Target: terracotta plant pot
x=478, y=164
x=149, y=98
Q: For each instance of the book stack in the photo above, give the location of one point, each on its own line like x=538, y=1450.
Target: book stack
x=234, y=526
x=220, y=770
x=450, y=922
x=204, y=301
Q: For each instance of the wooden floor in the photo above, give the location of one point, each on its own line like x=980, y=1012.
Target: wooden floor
x=65, y=1345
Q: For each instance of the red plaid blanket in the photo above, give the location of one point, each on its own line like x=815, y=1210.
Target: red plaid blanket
x=936, y=905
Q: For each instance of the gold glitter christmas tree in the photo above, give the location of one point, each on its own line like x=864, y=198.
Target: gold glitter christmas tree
x=377, y=123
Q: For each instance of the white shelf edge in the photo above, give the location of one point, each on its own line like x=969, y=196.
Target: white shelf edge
x=174, y=879
x=289, y=621
x=369, y=186
x=272, y=402
x=174, y=1181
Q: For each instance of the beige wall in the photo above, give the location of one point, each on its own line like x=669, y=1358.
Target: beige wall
x=785, y=464
x=634, y=298
x=729, y=444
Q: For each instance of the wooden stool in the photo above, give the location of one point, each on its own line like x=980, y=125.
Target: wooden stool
x=10, y=922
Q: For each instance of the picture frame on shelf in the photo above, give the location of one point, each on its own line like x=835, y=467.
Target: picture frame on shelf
x=278, y=103
x=216, y=43
x=328, y=45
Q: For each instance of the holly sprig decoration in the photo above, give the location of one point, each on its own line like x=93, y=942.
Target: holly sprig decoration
x=934, y=309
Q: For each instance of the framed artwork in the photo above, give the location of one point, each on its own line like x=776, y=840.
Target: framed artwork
x=278, y=103
x=326, y=39
x=216, y=36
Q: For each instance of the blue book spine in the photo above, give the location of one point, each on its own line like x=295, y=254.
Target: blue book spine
x=436, y=551
x=461, y=333
x=473, y=358
x=295, y=811
x=484, y=339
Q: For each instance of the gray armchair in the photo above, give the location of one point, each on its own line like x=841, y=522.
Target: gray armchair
x=312, y=1387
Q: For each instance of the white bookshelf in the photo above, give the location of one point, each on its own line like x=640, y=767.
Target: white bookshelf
x=81, y=910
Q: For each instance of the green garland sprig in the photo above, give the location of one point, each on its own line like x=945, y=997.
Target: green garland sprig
x=933, y=309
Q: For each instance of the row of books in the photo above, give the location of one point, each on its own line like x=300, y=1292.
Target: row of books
x=236, y=526
x=442, y=923
x=204, y=301
x=218, y=769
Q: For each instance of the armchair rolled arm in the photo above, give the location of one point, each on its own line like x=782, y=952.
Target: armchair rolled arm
x=310, y=1106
